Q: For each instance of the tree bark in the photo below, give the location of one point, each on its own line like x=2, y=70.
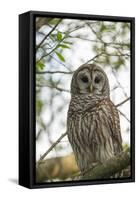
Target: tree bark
x=110, y=167
x=61, y=168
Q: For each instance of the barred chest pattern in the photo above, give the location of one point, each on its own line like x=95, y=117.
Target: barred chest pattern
x=93, y=129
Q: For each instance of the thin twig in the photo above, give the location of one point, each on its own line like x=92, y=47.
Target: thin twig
x=93, y=31
x=101, y=40
x=114, y=88
x=97, y=41
x=54, y=72
x=121, y=54
x=124, y=115
x=71, y=72
x=53, y=87
x=103, y=53
x=118, y=82
x=47, y=54
x=71, y=31
x=38, y=46
x=119, y=104
x=92, y=59
x=67, y=67
x=53, y=145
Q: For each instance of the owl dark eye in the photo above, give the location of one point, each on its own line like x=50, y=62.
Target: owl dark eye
x=84, y=79
x=97, y=79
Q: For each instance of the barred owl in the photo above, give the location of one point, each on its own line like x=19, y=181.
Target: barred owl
x=93, y=124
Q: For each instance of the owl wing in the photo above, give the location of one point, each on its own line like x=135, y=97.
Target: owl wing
x=109, y=117
x=114, y=124
x=101, y=126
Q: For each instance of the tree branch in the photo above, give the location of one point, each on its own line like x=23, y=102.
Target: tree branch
x=92, y=59
x=67, y=67
x=110, y=167
x=54, y=72
x=119, y=104
x=97, y=41
x=103, y=53
x=124, y=115
x=65, y=167
x=118, y=82
x=53, y=87
x=53, y=145
x=63, y=135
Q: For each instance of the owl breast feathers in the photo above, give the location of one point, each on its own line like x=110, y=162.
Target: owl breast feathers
x=93, y=124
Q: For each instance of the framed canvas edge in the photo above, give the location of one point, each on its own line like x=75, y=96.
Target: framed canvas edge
x=32, y=184
x=24, y=93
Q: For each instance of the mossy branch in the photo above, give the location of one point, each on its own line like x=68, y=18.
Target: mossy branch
x=110, y=167
x=65, y=167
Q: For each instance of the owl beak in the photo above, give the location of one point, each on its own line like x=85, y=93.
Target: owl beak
x=91, y=88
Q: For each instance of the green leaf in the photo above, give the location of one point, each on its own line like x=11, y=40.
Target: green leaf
x=66, y=42
x=64, y=46
x=40, y=66
x=60, y=56
x=125, y=146
x=53, y=21
x=39, y=105
x=59, y=36
x=103, y=28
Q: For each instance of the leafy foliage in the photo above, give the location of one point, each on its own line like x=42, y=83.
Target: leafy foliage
x=59, y=36
x=60, y=56
x=40, y=66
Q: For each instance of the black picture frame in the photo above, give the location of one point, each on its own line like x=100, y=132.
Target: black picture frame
x=27, y=98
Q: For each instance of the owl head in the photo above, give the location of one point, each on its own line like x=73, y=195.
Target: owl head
x=90, y=79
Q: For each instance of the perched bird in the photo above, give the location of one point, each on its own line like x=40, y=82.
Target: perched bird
x=93, y=124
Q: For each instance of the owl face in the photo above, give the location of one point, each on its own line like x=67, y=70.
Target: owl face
x=90, y=79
